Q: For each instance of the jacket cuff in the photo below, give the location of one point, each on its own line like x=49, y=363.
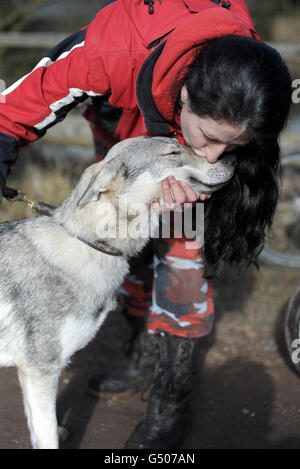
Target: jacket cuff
x=8, y=155
x=2, y=183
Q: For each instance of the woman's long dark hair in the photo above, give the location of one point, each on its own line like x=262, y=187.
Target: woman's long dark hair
x=243, y=82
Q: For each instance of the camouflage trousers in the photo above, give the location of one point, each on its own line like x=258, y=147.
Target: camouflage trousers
x=166, y=283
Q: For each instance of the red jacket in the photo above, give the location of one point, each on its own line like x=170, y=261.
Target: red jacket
x=119, y=68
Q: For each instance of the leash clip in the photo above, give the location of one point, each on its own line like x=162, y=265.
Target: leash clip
x=20, y=196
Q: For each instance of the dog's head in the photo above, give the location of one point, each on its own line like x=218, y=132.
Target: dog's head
x=127, y=181
x=136, y=167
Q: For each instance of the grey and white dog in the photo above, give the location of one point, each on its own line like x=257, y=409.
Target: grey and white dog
x=56, y=289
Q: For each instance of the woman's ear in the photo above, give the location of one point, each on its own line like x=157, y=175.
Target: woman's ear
x=184, y=94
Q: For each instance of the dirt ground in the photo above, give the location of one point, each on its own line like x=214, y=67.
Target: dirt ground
x=246, y=396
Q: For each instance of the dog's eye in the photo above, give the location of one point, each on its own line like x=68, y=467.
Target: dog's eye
x=170, y=149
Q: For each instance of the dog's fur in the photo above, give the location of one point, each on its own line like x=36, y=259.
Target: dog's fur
x=55, y=291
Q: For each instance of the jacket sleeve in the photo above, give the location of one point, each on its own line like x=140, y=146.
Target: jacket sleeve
x=43, y=97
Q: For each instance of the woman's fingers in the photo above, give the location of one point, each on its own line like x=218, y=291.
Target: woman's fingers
x=176, y=193
x=190, y=194
x=167, y=194
x=179, y=192
x=157, y=207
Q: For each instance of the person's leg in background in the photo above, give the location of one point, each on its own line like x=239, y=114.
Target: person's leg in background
x=136, y=299
x=181, y=316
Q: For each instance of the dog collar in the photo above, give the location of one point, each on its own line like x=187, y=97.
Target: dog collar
x=102, y=247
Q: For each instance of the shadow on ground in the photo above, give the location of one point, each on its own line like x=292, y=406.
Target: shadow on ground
x=246, y=395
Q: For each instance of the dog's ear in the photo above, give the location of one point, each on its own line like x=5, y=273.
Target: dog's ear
x=104, y=180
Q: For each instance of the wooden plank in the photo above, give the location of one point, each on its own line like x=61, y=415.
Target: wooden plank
x=49, y=39
x=31, y=40
x=286, y=50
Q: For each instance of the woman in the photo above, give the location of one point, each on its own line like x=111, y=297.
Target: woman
x=196, y=72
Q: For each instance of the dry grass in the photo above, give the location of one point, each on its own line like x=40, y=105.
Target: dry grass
x=48, y=180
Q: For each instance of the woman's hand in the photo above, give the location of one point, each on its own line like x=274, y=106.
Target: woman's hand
x=175, y=194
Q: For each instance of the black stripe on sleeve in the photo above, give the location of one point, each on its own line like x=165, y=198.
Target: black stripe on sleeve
x=67, y=44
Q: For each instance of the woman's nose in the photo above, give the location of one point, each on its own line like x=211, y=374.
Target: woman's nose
x=214, y=151
x=211, y=151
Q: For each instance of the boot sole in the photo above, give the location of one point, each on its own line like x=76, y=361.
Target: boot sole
x=120, y=395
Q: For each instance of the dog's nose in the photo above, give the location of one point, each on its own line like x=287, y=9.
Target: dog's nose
x=230, y=160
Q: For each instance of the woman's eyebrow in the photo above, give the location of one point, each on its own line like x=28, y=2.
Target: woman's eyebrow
x=218, y=141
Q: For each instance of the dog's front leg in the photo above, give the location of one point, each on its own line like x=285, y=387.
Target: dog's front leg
x=39, y=395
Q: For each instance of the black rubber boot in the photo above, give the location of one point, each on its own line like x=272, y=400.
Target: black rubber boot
x=163, y=427
x=136, y=373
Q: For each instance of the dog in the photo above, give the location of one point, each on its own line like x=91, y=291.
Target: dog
x=60, y=274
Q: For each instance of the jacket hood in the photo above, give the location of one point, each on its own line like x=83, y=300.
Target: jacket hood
x=180, y=49
x=169, y=13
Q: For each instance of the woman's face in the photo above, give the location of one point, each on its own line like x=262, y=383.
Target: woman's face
x=207, y=137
